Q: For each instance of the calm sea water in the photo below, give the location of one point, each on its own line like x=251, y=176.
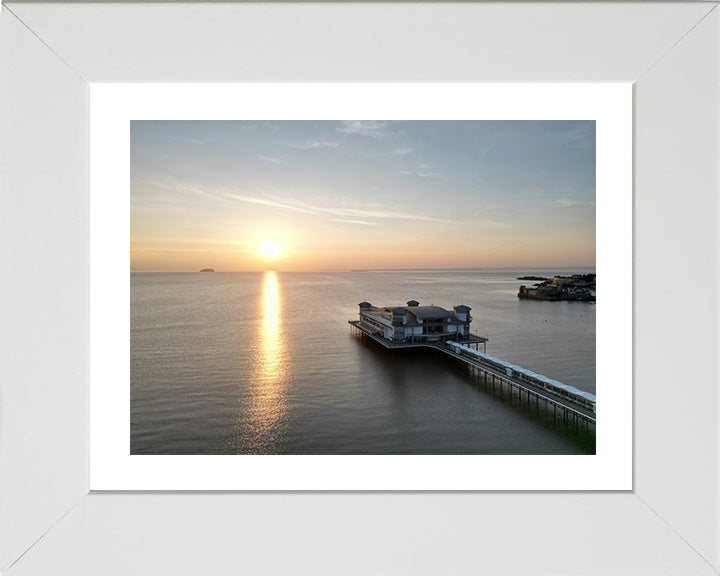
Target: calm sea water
x=265, y=363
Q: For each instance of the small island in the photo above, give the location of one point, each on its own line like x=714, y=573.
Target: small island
x=576, y=287
x=207, y=270
x=541, y=278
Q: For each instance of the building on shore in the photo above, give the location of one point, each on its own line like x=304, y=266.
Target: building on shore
x=414, y=323
x=576, y=287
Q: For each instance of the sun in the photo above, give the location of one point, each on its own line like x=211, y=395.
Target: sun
x=270, y=249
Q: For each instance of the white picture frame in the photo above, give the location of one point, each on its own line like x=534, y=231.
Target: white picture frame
x=50, y=523
x=113, y=106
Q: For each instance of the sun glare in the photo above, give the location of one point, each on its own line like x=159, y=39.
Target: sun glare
x=270, y=249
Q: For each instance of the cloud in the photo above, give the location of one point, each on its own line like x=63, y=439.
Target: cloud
x=569, y=202
x=422, y=172
x=182, y=187
x=361, y=222
x=270, y=202
x=370, y=128
x=349, y=214
x=392, y=152
x=353, y=214
x=184, y=247
x=270, y=159
x=493, y=223
x=312, y=144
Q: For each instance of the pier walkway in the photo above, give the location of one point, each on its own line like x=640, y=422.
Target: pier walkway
x=570, y=412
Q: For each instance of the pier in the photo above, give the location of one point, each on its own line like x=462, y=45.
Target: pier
x=525, y=392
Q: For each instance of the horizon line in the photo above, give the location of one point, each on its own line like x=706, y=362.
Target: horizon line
x=529, y=268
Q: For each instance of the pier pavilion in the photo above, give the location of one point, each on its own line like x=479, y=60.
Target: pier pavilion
x=416, y=324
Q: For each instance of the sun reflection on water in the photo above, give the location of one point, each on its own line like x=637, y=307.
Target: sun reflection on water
x=271, y=365
x=267, y=403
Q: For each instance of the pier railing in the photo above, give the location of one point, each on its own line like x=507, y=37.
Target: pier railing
x=569, y=412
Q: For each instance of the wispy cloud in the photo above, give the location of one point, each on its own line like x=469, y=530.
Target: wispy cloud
x=270, y=159
x=348, y=214
x=355, y=214
x=185, y=247
x=569, y=202
x=270, y=202
x=312, y=144
x=182, y=187
x=493, y=223
x=389, y=153
x=422, y=171
x=361, y=222
x=370, y=128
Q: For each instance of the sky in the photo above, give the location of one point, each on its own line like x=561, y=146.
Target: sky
x=363, y=194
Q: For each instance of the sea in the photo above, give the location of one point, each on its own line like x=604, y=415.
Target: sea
x=266, y=363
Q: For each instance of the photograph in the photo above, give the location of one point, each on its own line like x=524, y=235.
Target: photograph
x=363, y=287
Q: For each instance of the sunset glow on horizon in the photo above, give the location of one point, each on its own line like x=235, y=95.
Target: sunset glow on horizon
x=326, y=195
